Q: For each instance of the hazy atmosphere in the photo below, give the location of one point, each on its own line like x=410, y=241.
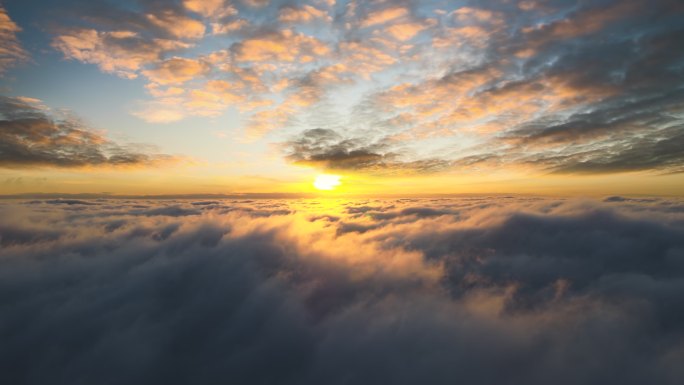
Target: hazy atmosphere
x=341, y=192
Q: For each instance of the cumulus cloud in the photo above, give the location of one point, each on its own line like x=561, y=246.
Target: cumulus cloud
x=32, y=136
x=473, y=289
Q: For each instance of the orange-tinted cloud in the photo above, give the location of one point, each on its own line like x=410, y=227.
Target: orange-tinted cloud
x=177, y=25
x=384, y=15
x=176, y=70
x=123, y=53
x=11, y=50
x=212, y=9
x=285, y=46
x=303, y=14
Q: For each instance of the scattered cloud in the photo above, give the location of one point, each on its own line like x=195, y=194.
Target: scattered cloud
x=545, y=86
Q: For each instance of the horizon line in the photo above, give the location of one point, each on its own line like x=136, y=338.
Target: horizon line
x=285, y=195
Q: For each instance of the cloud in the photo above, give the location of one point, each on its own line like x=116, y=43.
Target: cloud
x=283, y=46
x=229, y=27
x=122, y=53
x=399, y=22
x=124, y=41
x=313, y=86
x=304, y=14
x=581, y=104
x=385, y=15
x=327, y=149
x=11, y=50
x=405, y=31
x=256, y=3
x=365, y=57
x=212, y=99
x=162, y=110
x=663, y=151
x=213, y=9
x=68, y=202
x=33, y=137
x=177, y=24
x=475, y=289
x=554, y=86
x=176, y=70
x=333, y=151
x=632, y=135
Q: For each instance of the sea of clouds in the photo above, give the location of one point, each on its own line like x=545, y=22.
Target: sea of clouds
x=471, y=290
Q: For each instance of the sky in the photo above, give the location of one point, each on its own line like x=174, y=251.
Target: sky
x=342, y=192
x=394, y=97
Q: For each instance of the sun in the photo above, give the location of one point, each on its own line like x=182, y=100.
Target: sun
x=327, y=182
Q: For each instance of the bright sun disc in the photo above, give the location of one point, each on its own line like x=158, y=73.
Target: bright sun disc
x=327, y=182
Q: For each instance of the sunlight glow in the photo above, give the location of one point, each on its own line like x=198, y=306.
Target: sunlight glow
x=327, y=182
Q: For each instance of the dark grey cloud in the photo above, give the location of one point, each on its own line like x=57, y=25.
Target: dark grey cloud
x=478, y=290
x=328, y=149
x=137, y=15
x=617, y=198
x=31, y=137
x=629, y=51
x=663, y=151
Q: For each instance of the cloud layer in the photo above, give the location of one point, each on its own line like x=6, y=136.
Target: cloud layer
x=478, y=290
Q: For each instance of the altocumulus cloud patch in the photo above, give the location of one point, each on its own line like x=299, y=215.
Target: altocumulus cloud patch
x=486, y=290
